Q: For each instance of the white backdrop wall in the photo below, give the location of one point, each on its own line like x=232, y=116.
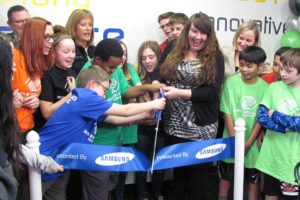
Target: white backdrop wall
x=135, y=21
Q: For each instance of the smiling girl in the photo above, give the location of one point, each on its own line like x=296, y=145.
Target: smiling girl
x=57, y=85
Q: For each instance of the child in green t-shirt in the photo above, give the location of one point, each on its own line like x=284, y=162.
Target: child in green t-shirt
x=240, y=97
x=279, y=113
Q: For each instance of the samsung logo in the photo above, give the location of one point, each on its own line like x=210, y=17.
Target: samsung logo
x=211, y=151
x=112, y=159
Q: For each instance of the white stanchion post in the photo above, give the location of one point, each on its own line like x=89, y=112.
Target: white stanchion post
x=239, y=158
x=35, y=181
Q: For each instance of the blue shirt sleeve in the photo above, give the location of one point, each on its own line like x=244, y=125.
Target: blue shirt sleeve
x=264, y=120
x=289, y=122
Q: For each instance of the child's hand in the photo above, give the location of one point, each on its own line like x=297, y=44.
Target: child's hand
x=247, y=147
x=17, y=99
x=59, y=168
x=71, y=83
x=156, y=94
x=260, y=138
x=271, y=113
x=156, y=86
x=31, y=101
x=148, y=118
x=159, y=103
x=52, y=166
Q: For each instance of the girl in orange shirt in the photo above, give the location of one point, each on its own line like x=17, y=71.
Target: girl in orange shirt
x=34, y=56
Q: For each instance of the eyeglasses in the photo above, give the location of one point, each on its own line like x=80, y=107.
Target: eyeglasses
x=164, y=26
x=105, y=89
x=22, y=21
x=47, y=37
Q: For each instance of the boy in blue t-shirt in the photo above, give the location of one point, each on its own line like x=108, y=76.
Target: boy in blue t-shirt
x=76, y=120
x=240, y=98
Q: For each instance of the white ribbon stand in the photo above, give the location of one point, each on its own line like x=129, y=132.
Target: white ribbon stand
x=35, y=181
x=239, y=152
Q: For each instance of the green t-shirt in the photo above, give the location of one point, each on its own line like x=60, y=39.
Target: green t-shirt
x=108, y=134
x=130, y=132
x=280, y=152
x=239, y=99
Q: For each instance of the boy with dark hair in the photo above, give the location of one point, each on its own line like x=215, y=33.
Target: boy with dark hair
x=108, y=56
x=275, y=74
x=279, y=113
x=240, y=97
x=108, y=48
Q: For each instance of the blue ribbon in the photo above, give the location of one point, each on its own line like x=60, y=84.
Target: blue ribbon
x=115, y=158
x=95, y=157
x=191, y=153
x=103, y=158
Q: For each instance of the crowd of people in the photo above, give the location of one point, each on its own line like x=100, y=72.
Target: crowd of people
x=54, y=80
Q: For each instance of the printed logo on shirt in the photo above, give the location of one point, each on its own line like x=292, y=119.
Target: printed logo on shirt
x=112, y=159
x=114, y=88
x=249, y=106
x=89, y=136
x=33, y=85
x=72, y=98
x=288, y=106
x=211, y=151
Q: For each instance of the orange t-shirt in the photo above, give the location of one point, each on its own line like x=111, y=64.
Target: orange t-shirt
x=27, y=87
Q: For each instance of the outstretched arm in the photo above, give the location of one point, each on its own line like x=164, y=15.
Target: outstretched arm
x=44, y=163
x=126, y=120
x=136, y=91
x=136, y=108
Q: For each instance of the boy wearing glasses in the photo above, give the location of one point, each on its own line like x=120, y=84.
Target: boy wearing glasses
x=165, y=26
x=17, y=16
x=76, y=120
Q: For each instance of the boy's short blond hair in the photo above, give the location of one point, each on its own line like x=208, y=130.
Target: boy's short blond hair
x=291, y=58
x=95, y=73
